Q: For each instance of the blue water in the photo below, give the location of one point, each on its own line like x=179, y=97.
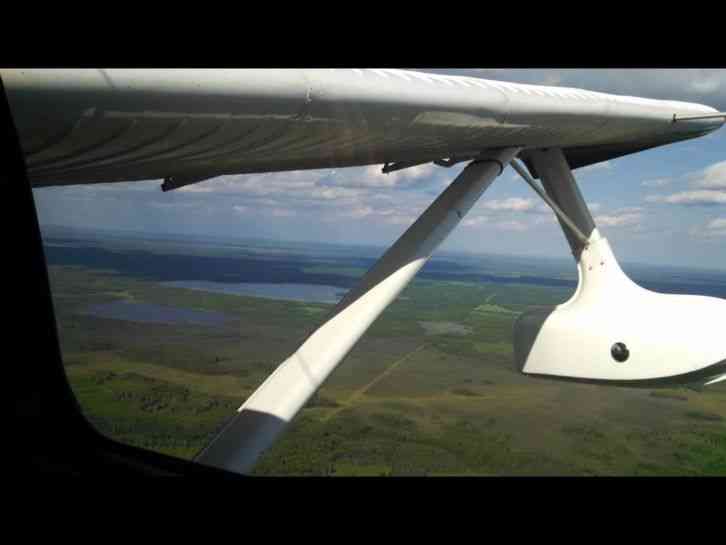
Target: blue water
x=156, y=314
x=254, y=266
x=309, y=293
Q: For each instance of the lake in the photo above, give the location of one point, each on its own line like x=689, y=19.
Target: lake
x=309, y=293
x=157, y=314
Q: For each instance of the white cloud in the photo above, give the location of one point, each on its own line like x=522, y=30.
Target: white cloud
x=543, y=209
x=697, y=197
x=716, y=228
x=605, y=165
x=658, y=182
x=174, y=205
x=360, y=212
x=411, y=173
x=474, y=221
x=624, y=217
x=146, y=185
x=713, y=177
x=617, y=221
x=549, y=220
x=398, y=214
x=196, y=188
x=630, y=210
x=399, y=219
x=706, y=85
x=513, y=204
x=709, y=188
x=511, y=226
x=282, y=212
x=552, y=79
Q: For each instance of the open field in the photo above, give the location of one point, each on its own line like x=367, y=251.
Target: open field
x=430, y=390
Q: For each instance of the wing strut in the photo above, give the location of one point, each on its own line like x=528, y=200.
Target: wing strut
x=267, y=412
x=564, y=218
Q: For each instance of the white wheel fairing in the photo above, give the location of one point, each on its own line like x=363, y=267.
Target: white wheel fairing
x=669, y=338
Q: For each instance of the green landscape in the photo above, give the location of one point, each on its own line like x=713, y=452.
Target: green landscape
x=430, y=390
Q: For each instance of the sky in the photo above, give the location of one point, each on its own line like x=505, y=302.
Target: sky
x=665, y=206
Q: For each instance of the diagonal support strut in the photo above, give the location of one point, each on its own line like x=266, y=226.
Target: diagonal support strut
x=564, y=218
x=269, y=410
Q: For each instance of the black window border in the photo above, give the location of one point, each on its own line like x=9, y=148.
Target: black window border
x=49, y=433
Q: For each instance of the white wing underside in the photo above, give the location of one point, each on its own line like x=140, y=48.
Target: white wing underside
x=90, y=126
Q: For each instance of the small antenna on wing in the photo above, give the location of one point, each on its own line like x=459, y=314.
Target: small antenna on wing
x=693, y=117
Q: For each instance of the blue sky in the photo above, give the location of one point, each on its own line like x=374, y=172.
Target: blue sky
x=662, y=206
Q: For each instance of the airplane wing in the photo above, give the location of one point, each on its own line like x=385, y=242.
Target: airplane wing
x=91, y=126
